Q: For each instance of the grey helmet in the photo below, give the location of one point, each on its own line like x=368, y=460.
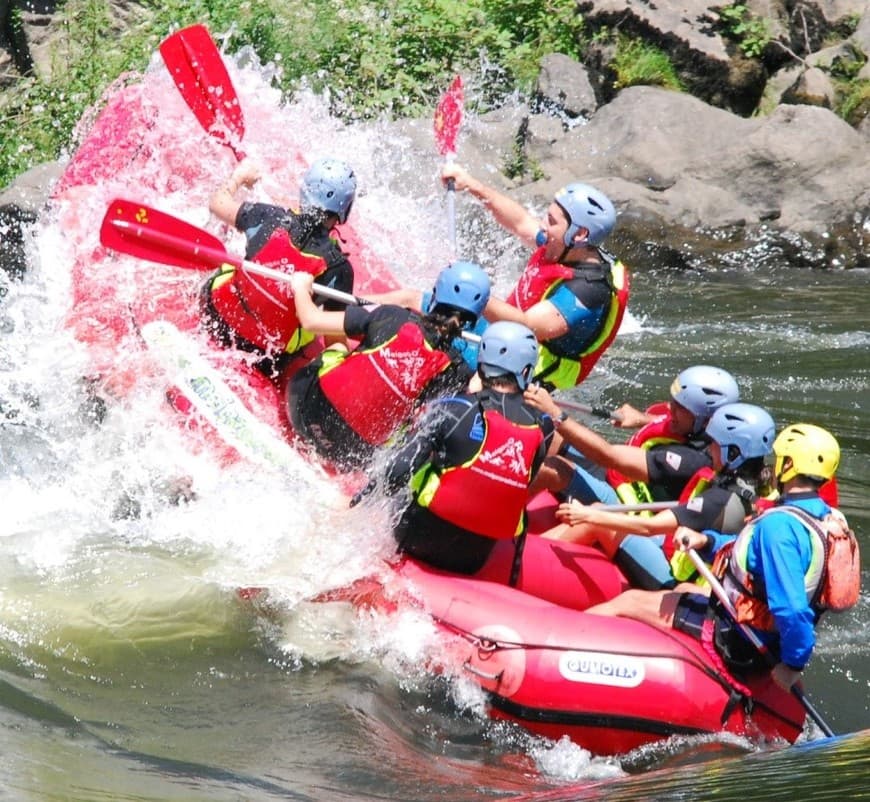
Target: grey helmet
x=330, y=185
x=702, y=389
x=508, y=348
x=589, y=208
x=464, y=286
x=743, y=431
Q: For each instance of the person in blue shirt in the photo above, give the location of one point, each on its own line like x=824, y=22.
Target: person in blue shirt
x=772, y=569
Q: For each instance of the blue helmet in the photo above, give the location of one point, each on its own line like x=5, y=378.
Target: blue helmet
x=586, y=207
x=743, y=431
x=330, y=185
x=464, y=286
x=702, y=390
x=508, y=348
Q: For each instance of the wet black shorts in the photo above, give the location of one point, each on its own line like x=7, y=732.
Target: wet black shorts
x=690, y=613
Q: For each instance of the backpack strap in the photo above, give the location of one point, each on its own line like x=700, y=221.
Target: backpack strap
x=817, y=528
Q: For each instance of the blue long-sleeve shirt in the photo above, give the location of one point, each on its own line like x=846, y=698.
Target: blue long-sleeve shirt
x=778, y=558
x=780, y=553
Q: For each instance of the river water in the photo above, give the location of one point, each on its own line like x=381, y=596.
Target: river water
x=131, y=670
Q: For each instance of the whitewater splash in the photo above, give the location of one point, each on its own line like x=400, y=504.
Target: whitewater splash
x=59, y=465
x=118, y=525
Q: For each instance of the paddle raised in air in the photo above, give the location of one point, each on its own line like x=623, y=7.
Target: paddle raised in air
x=199, y=72
x=448, y=120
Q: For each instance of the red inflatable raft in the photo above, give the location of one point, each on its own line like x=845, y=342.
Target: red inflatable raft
x=609, y=684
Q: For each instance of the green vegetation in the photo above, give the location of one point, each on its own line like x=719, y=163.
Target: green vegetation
x=853, y=101
x=848, y=64
x=38, y=115
x=751, y=33
x=638, y=62
x=518, y=162
x=375, y=57
x=378, y=57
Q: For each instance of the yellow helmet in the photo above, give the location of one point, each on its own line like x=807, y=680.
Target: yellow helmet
x=814, y=452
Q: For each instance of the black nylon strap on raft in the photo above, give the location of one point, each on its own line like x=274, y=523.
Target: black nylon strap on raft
x=735, y=698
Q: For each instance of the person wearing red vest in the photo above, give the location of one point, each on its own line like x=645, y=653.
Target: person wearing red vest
x=696, y=393
x=257, y=314
x=345, y=404
x=467, y=448
x=572, y=293
x=719, y=499
x=772, y=571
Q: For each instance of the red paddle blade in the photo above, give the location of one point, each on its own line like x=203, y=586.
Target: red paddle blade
x=196, y=66
x=448, y=117
x=147, y=233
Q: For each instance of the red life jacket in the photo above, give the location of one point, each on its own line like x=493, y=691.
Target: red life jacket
x=539, y=280
x=487, y=494
x=829, y=492
x=376, y=390
x=657, y=432
x=261, y=310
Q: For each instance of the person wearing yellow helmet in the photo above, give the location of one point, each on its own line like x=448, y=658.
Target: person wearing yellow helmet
x=777, y=562
x=774, y=572
x=807, y=450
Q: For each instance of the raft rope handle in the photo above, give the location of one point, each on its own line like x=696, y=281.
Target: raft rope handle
x=486, y=648
x=466, y=666
x=493, y=645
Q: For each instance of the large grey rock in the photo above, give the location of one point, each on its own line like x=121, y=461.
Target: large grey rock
x=813, y=87
x=861, y=35
x=673, y=164
x=563, y=85
x=20, y=205
x=31, y=190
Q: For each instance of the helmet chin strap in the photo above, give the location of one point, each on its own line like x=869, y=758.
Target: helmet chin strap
x=778, y=476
